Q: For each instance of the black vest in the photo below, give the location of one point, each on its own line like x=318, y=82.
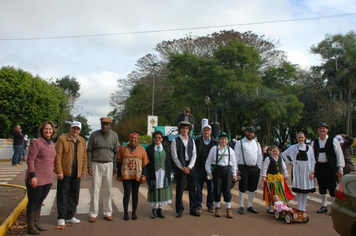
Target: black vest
x=181, y=151
x=328, y=149
x=203, y=151
x=272, y=168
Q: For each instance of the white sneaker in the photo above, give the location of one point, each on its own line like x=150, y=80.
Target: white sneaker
x=61, y=222
x=73, y=221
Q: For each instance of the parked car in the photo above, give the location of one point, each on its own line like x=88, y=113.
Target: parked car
x=343, y=209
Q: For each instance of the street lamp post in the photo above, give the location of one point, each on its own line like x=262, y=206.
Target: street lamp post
x=153, y=87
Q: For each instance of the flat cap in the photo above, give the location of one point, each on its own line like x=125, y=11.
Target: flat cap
x=106, y=120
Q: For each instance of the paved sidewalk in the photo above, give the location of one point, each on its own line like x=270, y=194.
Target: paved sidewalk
x=13, y=200
x=13, y=197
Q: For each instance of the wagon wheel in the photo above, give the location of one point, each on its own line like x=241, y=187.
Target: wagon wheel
x=277, y=215
x=288, y=218
x=305, y=220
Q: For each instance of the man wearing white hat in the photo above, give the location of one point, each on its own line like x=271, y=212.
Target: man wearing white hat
x=70, y=167
x=203, y=145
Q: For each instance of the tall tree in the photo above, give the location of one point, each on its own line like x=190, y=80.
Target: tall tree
x=202, y=47
x=28, y=101
x=339, y=55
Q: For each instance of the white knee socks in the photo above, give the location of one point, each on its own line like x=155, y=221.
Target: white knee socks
x=250, y=198
x=242, y=197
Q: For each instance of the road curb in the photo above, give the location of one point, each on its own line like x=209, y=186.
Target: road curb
x=5, y=226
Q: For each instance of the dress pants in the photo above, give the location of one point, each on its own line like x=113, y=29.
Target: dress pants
x=200, y=180
x=181, y=180
x=68, y=196
x=102, y=174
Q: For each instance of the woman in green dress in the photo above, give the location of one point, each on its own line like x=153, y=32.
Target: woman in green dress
x=159, y=175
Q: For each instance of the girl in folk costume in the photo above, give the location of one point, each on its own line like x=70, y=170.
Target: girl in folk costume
x=274, y=174
x=159, y=175
x=302, y=158
x=220, y=165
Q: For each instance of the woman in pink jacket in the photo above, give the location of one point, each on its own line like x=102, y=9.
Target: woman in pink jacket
x=39, y=175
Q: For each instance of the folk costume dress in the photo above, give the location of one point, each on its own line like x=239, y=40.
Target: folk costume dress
x=275, y=170
x=159, y=171
x=303, y=160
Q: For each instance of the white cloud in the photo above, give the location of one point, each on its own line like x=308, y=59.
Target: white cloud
x=97, y=62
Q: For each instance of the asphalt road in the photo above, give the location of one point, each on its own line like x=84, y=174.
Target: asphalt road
x=247, y=224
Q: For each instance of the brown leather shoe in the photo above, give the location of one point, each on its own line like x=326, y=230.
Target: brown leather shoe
x=211, y=209
x=217, y=212
x=108, y=218
x=229, y=213
x=92, y=219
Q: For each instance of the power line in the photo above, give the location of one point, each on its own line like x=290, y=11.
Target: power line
x=177, y=29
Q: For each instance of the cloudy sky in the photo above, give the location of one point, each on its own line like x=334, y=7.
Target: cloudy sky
x=36, y=35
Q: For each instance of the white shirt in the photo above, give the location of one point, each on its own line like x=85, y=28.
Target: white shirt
x=252, y=153
x=211, y=159
x=340, y=161
x=160, y=146
x=266, y=163
x=175, y=155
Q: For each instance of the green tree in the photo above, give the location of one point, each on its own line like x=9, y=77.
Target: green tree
x=165, y=106
x=339, y=55
x=229, y=79
x=28, y=101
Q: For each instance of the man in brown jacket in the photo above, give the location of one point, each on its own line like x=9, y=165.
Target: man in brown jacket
x=70, y=167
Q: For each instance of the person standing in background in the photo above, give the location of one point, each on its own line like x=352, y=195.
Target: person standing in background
x=17, y=145
x=185, y=116
x=345, y=143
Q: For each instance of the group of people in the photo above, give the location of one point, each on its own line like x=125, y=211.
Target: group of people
x=194, y=162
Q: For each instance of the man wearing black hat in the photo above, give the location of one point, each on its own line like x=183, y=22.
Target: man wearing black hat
x=329, y=164
x=249, y=161
x=184, y=156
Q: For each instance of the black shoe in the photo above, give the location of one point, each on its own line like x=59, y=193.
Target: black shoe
x=251, y=209
x=126, y=216
x=154, y=213
x=322, y=209
x=160, y=213
x=179, y=214
x=194, y=213
x=241, y=210
x=134, y=216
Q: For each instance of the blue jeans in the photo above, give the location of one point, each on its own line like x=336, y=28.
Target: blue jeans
x=17, y=154
x=200, y=179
